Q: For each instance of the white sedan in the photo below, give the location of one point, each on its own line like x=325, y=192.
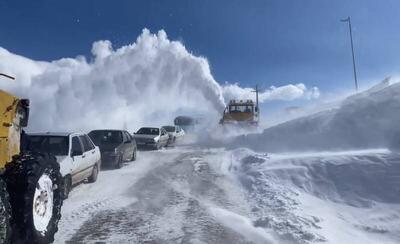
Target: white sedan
x=175, y=132
x=151, y=137
x=77, y=155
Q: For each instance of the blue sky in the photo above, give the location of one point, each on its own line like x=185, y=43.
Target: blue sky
x=261, y=41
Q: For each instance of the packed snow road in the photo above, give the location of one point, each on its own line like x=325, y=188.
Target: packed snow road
x=188, y=195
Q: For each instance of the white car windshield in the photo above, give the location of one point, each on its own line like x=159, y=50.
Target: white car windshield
x=56, y=145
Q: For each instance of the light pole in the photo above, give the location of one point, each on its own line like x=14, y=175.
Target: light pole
x=348, y=20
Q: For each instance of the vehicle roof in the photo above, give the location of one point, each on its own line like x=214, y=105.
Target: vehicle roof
x=150, y=127
x=54, y=133
x=107, y=130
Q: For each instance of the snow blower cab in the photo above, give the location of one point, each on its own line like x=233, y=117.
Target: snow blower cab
x=242, y=112
x=30, y=182
x=15, y=113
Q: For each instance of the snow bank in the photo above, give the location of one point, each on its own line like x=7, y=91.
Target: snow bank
x=368, y=119
x=345, y=197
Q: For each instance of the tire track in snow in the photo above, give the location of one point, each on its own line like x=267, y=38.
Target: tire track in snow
x=173, y=206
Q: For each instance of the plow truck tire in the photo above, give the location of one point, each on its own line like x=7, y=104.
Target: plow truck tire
x=5, y=212
x=35, y=186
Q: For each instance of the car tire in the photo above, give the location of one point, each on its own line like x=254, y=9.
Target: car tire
x=67, y=186
x=28, y=177
x=134, y=155
x=119, y=163
x=95, y=172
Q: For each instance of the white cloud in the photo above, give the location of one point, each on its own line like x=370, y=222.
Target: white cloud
x=284, y=93
x=149, y=81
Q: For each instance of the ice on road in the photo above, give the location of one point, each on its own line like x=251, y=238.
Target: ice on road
x=188, y=195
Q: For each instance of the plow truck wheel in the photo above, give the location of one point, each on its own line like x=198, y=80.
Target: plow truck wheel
x=35, y=186
x=5, y=211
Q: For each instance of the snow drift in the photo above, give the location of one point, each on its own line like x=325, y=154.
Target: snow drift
x=368, y=119
x=341, y=197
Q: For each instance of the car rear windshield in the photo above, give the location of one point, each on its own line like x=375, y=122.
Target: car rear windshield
x=148, y=131
x=56, y=145
x=169, y=128
x=103, y=137
x=183, y=120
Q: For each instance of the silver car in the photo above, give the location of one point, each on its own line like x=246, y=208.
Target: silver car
x=151, y=138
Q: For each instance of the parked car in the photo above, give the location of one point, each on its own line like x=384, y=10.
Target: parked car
x=77, y=155
x=151, y=138
x=174, y=132
x=116, y=146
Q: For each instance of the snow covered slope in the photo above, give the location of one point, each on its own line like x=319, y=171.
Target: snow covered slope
x=368, y=119
x=346, y=197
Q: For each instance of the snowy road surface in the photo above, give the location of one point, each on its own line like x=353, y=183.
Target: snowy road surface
x=187, y=195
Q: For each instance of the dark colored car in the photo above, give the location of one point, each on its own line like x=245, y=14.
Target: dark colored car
x=116, y=146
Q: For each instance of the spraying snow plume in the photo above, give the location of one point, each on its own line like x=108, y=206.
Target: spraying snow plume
x=146, y=83
x=152, y=79
x=283, y=93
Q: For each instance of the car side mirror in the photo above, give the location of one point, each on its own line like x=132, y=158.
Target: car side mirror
x=76, y=153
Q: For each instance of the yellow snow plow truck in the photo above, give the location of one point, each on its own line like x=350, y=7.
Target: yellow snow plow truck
x=30, y=182
x=242, y=112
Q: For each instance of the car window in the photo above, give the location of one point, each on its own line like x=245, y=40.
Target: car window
x=85, y=143
x=125, y=138
x=56, y=145
x=169, y=128
x=76, y=145
x=148, y=131
x=128, y=136
x=106, y=138
x=90, y=143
